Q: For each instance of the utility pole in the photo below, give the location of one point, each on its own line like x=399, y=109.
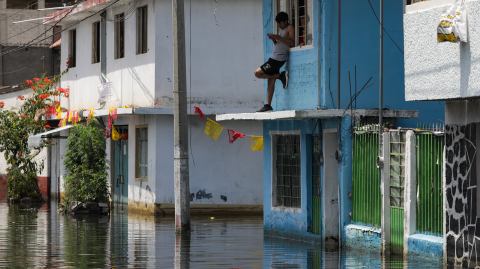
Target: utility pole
x=182, y=189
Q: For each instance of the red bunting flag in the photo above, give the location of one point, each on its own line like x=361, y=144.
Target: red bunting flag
x=111, y=115
x=198, y=111
x=232, y=136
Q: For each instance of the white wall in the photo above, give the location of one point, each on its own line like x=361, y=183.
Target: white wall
x=220, y=168
x=132, y=76
x=222, y=59
x=439, y=71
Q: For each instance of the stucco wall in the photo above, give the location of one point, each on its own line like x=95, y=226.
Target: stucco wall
x=439, y=71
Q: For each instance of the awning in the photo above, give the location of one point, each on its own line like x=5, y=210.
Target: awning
x=56, y=44
x=36, y=140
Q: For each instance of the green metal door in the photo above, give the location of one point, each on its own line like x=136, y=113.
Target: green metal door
x=429, y=151
x=397, y=189
x=120, y=168
x=366, y=195
x=316, y=195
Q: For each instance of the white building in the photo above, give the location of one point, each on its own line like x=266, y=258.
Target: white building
x=224, y=46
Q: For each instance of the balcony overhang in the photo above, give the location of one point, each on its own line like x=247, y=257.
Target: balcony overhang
x=315, y=114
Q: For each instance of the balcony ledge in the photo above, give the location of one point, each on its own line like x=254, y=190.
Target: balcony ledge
x=315, y=114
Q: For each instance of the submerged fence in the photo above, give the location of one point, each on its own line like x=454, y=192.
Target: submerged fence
x=430, y=140
x=366, y=196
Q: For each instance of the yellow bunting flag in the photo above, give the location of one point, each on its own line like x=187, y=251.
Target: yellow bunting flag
x=59, y=115
x=257, y=143
x=115, y=134
x=64, y=121
x=213, y=129
x=59, y=112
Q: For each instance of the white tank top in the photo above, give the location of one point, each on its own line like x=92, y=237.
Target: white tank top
x=280, y=51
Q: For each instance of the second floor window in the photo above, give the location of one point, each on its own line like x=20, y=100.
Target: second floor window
x=300, y=15
x=119, y=36
x=72, y=48
x=142, y=28
x=96, y=42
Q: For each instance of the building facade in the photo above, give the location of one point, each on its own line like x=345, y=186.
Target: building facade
x=310, y=146
x=130, y=42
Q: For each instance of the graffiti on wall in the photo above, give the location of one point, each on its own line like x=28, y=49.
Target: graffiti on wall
x=202, y=194
x=461, y=234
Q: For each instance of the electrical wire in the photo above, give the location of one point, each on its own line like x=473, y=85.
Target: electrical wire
x=127, y=14
x=32, y=28
x=64, y=29
x=384, y=27
x=19, y=11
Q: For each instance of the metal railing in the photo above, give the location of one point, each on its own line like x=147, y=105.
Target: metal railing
x=429, y=156
x=366, y=196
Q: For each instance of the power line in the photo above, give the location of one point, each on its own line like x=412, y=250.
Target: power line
x=31, y=42
x=32, y=28
x=383, y=27
x=19, y=11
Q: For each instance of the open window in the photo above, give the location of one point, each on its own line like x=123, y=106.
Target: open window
x=21, y=4
x=142, y=28
x=119, y=36
x=72, y=48
x=53, y=3
x=300, y=15
x=96, y=42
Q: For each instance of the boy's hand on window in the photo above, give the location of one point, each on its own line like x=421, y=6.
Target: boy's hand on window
x=301, y=44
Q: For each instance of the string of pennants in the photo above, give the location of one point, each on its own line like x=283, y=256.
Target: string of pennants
x=213, y=129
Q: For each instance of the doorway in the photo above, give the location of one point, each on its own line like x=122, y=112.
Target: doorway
x=331, y=232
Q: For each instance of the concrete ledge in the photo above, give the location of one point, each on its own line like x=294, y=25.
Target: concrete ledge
x=427, y=246
x=315, y=114
x=359, y=236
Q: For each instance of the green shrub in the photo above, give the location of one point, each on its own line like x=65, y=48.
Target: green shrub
x=86, y=165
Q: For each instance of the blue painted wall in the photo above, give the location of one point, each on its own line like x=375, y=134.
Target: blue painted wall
x=360, y=47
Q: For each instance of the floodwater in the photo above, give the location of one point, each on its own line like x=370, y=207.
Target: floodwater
x=41, y=238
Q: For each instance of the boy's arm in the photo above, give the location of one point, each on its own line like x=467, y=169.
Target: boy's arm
x=291, y=34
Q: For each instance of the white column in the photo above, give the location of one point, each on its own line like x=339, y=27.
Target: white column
x=410, y=224
x=385, y=189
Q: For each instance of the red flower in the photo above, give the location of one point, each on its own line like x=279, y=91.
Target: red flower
x=2, y=104
x=24, y=136
x=57, y=102
x=33, y=88
x=20, y=154
x=45, y=80
x=66, y=94
x=21, y=97
x=41, y=86
x=36, y=79
x=4, y=131
x=34, y=102
x=29, y=82
x=47, y=126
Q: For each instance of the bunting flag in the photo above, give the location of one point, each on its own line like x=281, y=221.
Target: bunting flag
x=90, y=116
x=115, y=134
x=69, y=116
x=213, y=129
x=198, y=111
x=257, y=143
x=59, y=112
x=111, y=115
x=232, y=136
x=63, y=122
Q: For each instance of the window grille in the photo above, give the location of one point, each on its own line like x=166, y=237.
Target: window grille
x=288, y=171
x=300, y=15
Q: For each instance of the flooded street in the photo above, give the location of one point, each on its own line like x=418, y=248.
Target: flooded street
x=41, y=238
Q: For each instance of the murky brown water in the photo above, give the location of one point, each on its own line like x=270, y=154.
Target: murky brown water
x=40, y=238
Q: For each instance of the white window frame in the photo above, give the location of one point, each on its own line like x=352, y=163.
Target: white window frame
x=273, y=136
x=275, y=27
x=137, y=153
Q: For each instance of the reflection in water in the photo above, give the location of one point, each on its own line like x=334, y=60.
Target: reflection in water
x=42, y=238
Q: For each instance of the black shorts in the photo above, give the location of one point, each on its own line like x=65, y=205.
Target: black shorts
x=272, y=67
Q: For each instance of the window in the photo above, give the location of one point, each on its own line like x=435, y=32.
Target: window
x=141, y=158
x=288, y=170
x=300, y=15
x=119, y=36
x=96, y=42
x=53, y=3
x=72, y=48
x=21, y=4
x=142, y=30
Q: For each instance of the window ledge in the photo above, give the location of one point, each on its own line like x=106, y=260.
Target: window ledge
x=287, y=209
x=307, y=47
x=141, y=179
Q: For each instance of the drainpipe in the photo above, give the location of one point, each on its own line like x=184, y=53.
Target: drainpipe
x=103, y=51
x=339, y=22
